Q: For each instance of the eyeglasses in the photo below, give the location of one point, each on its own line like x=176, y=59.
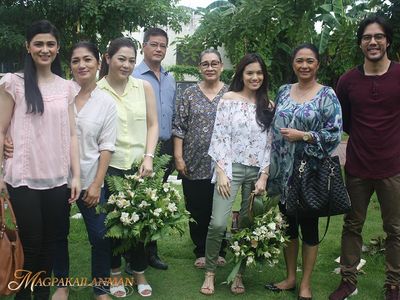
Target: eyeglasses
x=155, y=45
x=379, y=37
x=206, y=64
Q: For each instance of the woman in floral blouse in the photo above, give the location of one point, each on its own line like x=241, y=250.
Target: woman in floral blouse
x=192, y=129
x=240, y=151
x=308, y=117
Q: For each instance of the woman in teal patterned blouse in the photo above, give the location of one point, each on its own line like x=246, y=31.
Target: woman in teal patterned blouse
x=308, y=119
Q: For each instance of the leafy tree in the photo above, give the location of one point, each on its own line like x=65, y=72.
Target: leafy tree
x=273, y=28
x=95, y=20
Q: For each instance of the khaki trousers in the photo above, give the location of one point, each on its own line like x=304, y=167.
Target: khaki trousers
x=244, y=177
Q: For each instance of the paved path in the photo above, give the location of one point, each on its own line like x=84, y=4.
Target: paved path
x=341, y=151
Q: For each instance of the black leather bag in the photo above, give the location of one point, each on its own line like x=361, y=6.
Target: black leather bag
x=317, y=188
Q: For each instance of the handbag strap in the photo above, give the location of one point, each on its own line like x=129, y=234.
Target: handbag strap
x=328, y=220
x=4, y=199
x=250, y=212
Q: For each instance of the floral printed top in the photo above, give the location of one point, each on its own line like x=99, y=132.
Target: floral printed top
x=321, y=116
x=194, y=122
x=237, y=138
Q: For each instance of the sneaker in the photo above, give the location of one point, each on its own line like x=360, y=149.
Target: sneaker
x=392, y=292
x=345, y=290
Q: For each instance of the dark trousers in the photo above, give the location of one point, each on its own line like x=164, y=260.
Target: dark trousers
x=137, y=255
x=308, y=227
x=100, y=246
x=199, y=199
x=39, y=216
x=360, y=192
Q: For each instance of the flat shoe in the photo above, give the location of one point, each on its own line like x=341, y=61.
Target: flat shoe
x=304, y=298
x=273, y=288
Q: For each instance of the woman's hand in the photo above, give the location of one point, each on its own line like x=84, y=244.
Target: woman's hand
x=8, y=148
x=261, y=185
x=180, y=166
x=91, y=197
x=3, y=186
x=223, y=184
x=292, y=135
x=146, y=168
x=75, y=189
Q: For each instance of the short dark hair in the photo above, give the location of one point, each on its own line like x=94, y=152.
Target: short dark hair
x=154, y=32
x=210, y=50
x=309, y=46
x=264, y=111
x=387, y=29
x=33, y=96
x=91, y=47
x=113, y=48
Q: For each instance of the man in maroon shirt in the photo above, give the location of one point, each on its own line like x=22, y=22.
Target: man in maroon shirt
x=370, y=99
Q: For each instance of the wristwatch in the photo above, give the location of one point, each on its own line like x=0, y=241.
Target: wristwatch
x=307, y=137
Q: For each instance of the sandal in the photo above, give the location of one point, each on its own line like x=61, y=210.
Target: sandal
x=200, y=262
x=117, y=289
x=221, y=261
x=208, y=285
x=142, y=288
x=237, y=286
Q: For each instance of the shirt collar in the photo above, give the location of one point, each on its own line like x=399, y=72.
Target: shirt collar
x=143, y=68
x=132, y=83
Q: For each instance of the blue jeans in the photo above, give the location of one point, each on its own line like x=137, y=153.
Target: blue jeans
x=100, y=246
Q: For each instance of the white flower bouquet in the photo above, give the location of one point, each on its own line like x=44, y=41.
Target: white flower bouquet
x=261, y=242
x=143, y=209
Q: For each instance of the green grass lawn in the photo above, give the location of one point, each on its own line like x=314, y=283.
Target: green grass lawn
x=182, y=280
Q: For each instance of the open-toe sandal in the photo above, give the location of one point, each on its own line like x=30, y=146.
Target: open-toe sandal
x=117, y=289
x=142, y=288
x=200, y=262
x=209, y=280
x=221, y=261
x=237, y=286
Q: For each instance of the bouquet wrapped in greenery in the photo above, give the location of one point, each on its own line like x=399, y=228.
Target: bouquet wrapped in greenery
x=261, y=241
x=143, y=209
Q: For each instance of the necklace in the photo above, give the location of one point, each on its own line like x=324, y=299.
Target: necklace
x=303, y=96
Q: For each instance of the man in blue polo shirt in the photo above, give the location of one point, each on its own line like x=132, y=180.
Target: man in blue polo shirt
x=155, y=43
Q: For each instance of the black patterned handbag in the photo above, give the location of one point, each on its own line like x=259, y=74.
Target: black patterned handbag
x=317, y=188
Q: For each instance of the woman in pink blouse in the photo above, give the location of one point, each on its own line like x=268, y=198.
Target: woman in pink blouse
x=240, y=150
x=36, y=111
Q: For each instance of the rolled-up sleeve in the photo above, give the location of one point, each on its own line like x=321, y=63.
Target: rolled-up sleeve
x=108, y=133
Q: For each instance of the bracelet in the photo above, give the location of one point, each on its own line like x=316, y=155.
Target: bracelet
x=265, y=173
x=149, y=155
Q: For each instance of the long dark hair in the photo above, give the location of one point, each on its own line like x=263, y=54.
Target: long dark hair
x=264, y=108
x=33, y=96
x=113, y=48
